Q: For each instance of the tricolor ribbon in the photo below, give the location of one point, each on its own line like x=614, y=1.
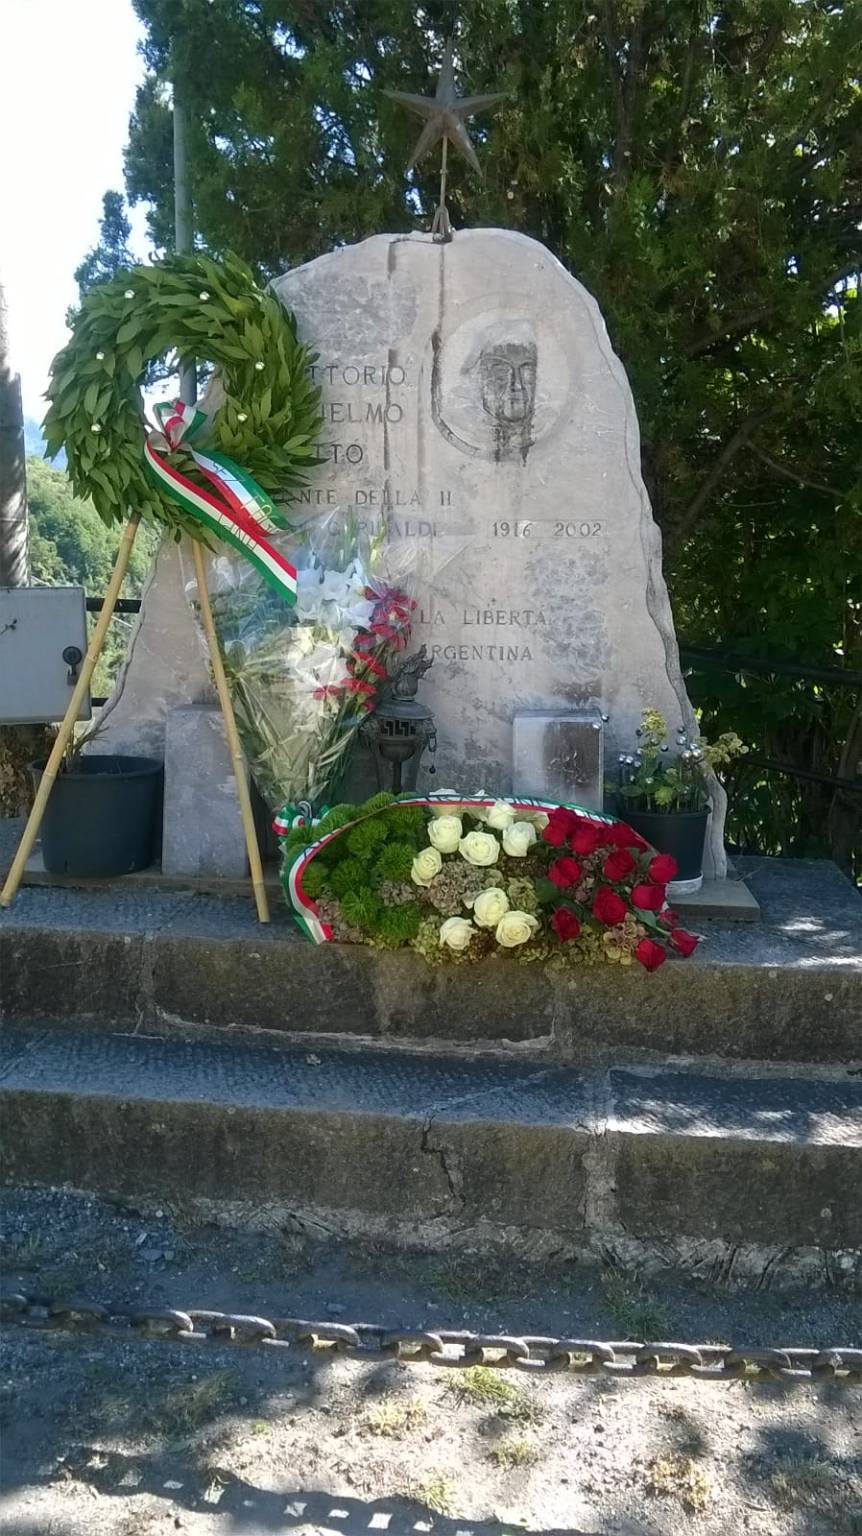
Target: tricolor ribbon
x=242, y=514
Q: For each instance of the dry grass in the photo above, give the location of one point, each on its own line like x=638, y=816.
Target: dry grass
x=681, y=1478
x=515, y=1452
x=436, y=1493
x=391, y=1419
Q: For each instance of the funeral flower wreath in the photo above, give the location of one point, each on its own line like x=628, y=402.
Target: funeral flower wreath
x=459, y=879
x=201, y=309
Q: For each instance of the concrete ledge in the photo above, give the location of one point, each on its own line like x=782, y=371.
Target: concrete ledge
x=786, y=989
x=423, y=1145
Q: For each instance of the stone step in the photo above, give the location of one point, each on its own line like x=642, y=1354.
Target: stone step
x=786, y=989
x=683, y=1167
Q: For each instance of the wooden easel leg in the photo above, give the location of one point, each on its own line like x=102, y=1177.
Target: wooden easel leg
x=94, y=651
x=234, y=744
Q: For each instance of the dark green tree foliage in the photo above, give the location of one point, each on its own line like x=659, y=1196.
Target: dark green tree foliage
x=112, y=253
x=699, y=169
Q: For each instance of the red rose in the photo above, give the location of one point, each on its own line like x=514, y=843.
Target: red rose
x=624, y=836
x=685, y=942
x=671, y=918
x=650, y=954
x=663, y=868
x=608, y=907
x=564, y=872
x=650, y=898
x=618, y=865
x=555, y=834
x=565, y=924
x=586, y=838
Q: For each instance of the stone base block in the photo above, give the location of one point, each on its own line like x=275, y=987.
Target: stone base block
x=559, y=756
x=203, y=832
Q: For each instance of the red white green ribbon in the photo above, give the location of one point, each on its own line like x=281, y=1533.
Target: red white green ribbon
x=306, y=911
x=242, y=514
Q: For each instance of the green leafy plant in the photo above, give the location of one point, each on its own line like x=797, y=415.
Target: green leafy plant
x=654, y=778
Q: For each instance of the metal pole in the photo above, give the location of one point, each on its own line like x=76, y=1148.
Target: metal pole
x=184, y=235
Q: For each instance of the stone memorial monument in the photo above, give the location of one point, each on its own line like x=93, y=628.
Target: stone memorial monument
x=476, y=417
x=474, y=408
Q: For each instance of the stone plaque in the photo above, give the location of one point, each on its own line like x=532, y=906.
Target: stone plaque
x=561, y=754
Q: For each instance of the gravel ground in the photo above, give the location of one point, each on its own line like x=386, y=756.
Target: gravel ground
x=115, y=1439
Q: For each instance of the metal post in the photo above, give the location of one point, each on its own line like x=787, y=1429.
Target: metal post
x=184, y=236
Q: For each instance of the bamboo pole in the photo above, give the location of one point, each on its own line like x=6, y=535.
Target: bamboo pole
x=64, y=735
x=236, y=752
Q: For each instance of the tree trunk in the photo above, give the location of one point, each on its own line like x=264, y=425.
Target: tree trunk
x=14, y=522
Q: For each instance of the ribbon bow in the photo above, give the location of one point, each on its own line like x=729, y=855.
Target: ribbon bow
x=242, y=514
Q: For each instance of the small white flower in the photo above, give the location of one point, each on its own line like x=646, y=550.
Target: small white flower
x=500, y=815
x=130, y=293
x=100, y=357
x=426, y=866
x=203, y=295
x=519, y=839
x=444, y=833
x=516, y=928
x=456, y=932
x=260, y=366
x=95, y=427
x=241, y=416
x=480, y=849
x=490, y=906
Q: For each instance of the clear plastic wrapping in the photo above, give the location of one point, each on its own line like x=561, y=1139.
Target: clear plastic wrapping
x=304, y=678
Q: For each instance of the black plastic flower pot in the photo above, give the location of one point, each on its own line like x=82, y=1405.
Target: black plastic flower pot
x=681, y=833
x=103, y=817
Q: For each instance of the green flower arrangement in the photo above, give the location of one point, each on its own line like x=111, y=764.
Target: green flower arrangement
x=459, y=880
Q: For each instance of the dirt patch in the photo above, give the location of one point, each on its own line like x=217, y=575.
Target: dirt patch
x=111, y=1438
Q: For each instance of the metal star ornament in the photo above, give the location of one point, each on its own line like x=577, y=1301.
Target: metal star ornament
x=444, y=115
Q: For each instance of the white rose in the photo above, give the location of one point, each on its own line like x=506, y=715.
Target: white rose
x=515, y=928
x=445, y=832
x=456, y=932
x=500, y=815
x=519, y=839
x=426, y=866
x=480, y=848
x=489, y=906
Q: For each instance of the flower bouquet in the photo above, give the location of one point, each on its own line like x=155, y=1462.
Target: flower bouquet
x=304, y=678
x=461, y=879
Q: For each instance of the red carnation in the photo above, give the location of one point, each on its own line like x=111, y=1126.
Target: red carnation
x=650, y=898
x=670, y=918
x=608, y=907
x=663, y=868
x=624, y=836
x=618, y=865
x=586, y=838
x=564, y=872
x=565, y=924
x=685, y=942
x=650, y=954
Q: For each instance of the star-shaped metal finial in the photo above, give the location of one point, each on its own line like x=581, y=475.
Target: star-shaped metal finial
x=444, y=114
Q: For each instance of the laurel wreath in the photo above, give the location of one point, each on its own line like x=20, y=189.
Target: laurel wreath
x=203, y=310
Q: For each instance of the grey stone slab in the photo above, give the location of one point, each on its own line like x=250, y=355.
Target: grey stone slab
x=728, y=900
x=102, y=908
x=202, y=830
x=438, y=1142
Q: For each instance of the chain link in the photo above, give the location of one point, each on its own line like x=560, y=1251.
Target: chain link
x=445, y=1348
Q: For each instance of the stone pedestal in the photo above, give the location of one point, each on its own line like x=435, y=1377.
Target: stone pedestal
x=202, y=827
x=559, y=756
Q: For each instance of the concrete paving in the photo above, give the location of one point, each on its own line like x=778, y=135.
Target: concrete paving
x=425, y=1149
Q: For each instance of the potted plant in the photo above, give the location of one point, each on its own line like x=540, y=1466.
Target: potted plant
x=664, y=794
x=104, y=813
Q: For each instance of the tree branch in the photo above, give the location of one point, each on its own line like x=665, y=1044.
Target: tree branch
x=729, y=451
x=741, y=324
x=797, y=479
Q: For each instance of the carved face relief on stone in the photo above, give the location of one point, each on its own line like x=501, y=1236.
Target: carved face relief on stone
x=488, y=394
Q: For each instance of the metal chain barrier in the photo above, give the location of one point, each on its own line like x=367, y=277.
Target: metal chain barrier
x=445, y=1348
